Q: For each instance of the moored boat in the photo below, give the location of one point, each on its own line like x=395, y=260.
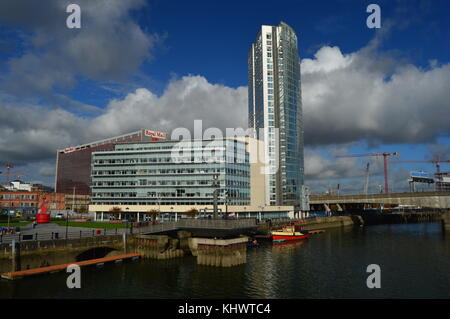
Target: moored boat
x=288, y=233
x=253, y=244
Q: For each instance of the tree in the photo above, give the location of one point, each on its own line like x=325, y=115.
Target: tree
x=115, y=211
x=83, y=210
x=153, y=214
x=192, y=213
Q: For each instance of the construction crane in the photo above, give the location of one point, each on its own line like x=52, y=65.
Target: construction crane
x=385, y=158
x=436, y=162
x=8, y=173
x=438, y=167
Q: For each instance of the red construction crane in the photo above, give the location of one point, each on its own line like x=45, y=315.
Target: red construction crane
x=8, y=172
x=385, y=155
x=438, y=167
x=437, y=175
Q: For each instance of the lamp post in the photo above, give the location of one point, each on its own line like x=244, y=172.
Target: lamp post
x=159, y=203
x=226, y=204
x=9, y=216
x=215, y=185
x=261, y=210
x=126, y=219
x=73, y=200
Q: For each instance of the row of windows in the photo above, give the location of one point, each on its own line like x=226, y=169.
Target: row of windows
x=228, y=171
x=178, y=202
x=174, y=159
x=143, y=182
x=22, y=197
x=166, y=195
x=15, y=204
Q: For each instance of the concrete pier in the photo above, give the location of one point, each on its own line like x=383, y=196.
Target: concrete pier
x=446, y=221
x=158, y=246
x=219, y=252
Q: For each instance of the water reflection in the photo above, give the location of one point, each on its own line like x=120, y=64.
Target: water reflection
x=414, y=260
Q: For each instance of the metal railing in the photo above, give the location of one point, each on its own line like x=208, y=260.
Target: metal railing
x=315, y=198
x=61, y=235
x=221, y=224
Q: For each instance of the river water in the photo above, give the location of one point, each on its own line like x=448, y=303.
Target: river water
x=414, y=260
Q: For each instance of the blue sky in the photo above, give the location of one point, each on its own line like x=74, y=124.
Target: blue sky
x=164, y=47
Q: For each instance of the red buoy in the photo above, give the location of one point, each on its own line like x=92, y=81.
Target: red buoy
x=43, y=217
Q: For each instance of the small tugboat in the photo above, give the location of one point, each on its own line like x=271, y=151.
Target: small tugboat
x=287, y=233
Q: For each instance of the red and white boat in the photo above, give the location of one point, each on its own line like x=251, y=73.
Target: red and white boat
x=287, y=233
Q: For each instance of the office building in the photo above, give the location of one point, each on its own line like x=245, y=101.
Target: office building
x=170, y=173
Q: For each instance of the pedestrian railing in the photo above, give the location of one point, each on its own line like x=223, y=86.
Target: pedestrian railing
x=222, y=224
x=61, y=235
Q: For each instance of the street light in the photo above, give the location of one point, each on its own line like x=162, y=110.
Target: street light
x=126, y=219
x=226, y=203
x=215, y=185
x=67, y=223
x=159, y=203
x=9, y=216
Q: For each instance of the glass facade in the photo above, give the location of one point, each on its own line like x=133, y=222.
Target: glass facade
x=275, y=106
x=172, y=173
x=73, y=164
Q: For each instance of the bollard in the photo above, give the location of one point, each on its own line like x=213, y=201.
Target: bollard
x=80, y=234
x=124, y=240
x=15, y=255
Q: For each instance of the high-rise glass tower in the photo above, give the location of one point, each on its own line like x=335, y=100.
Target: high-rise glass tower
x=274, y=105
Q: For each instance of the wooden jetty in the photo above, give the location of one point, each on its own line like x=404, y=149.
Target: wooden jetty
x=51, y=269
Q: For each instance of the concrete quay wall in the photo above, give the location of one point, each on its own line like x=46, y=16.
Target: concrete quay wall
x=327, y=222
x=157, y=246
x=446, y=221
x=219, y=252
x=35, y=254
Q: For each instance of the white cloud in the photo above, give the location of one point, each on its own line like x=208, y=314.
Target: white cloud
x=365, y=96
x=183, y=101
x=327, y=59
x=108, y=46
x=33, y=132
